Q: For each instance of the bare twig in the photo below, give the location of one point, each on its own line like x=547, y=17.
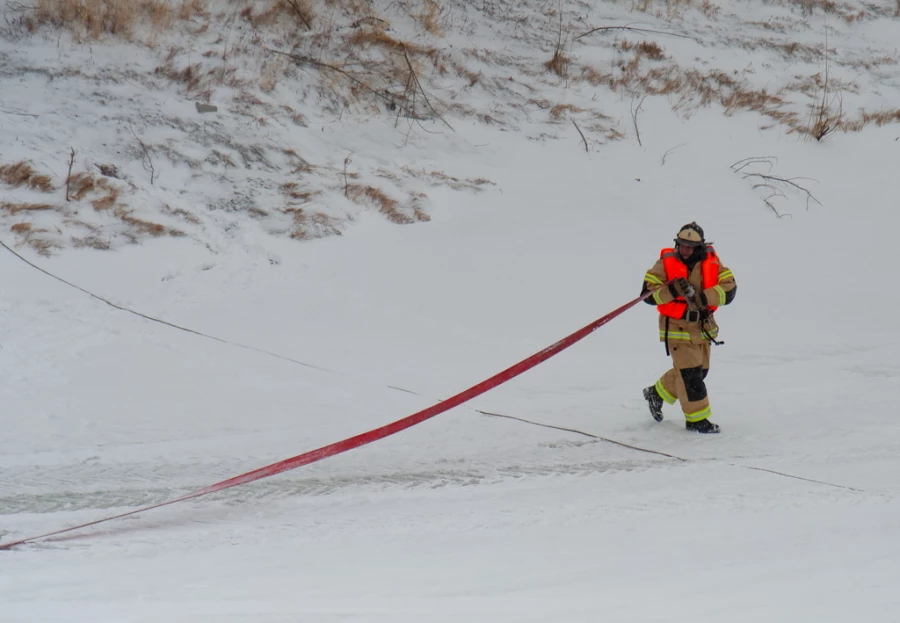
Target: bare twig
x=634, y=115
x=413, y=83
x=772, y=183
x=665, y=155
x=18, y=7
x=582, y=135
x=415, y=80
x=559, y=62
x=658, y=32
x=300, y=13
x=21, y=114
x=146, y=160
x=740, y=164
x=347, y=161
x=306, y=60
x=768, y=200
x=825, y=119
x=787, y=182
x=69, y=174
x=367, y=20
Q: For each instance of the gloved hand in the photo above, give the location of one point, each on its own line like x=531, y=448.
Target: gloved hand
x=682, y=287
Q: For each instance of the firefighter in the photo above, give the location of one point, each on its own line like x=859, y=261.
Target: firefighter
x=689, y=283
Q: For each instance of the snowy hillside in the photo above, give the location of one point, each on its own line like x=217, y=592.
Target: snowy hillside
x=324, y=112
x=414, y=196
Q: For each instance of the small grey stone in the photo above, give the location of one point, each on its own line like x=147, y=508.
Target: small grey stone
x=201, y=108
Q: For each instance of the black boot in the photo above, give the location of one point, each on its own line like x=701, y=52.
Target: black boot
x=654, y=402
x=703, y=426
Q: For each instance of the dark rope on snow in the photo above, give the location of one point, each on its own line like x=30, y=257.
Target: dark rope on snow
x=157, y=320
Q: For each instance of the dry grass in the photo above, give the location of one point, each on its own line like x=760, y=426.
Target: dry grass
x=16, y=208
x=105, y=203
x=826, y=118
x=828, y=7
x=308, y=225
x=377, y=37
x=389, y=207
x=559, y=62
x=301, y=11
x=30, y=235
x=559, y=112
x=182, y=214
x=93, y=242
x=429, y=17
x=439, y=178
x=146, y=227
x=83, y=184
x=22, y=174
x=673, y=9
x=688, y=89
x=643, y=49
x=94, y=18
x=363, y=194
x=878, y=118
x=295, y=193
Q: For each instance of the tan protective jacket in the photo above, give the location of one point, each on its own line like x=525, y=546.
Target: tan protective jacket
x=682, y=329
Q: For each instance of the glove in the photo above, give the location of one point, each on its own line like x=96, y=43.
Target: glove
x=682, y=287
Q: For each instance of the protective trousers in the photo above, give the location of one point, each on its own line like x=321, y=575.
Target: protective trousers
x=685, y=381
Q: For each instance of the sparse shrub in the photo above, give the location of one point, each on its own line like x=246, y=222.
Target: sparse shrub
x=559, y=63
x=827, y=117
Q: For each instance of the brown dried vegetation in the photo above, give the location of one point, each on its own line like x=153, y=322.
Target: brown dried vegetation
x=30, y=235
x=429, y=17
x=22, y=174
x=308, y=225
x=94, y=18
x=645, y=49
x=560, y=111
x=364, y=194
x=559, y=63
x=439, y=178
x=16, y=208
x=389, y=207
x=299, y=10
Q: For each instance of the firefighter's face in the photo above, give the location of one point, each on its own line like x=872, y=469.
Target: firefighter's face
x=686, y=251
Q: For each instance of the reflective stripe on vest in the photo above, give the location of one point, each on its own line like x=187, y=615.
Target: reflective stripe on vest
x=675, y=268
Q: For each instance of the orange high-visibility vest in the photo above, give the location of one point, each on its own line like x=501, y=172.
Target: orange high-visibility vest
x=675, y=268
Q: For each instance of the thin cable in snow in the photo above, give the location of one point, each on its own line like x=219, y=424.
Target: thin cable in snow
x=164, y=322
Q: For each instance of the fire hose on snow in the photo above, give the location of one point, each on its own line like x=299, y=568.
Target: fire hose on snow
x=367, y=437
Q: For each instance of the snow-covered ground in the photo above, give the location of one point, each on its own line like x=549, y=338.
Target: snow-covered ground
x=466, y=516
